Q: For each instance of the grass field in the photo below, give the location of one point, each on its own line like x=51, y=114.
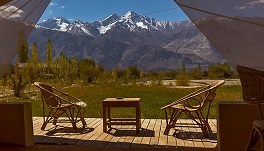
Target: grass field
x=152, y=98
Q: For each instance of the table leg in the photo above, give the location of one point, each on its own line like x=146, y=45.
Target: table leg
x=104, y=118
x=108, y=117
x=138, y=120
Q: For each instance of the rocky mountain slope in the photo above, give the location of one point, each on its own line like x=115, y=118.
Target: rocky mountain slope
x=131, y=39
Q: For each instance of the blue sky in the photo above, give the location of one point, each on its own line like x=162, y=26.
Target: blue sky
x=94, y=10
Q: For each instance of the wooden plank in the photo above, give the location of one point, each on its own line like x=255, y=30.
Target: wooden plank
x=103, y=139
x=99, y=140
x=148, y=135
x=94, y=124
x=108, y=137
x=213, y=136
x=155, y=140
x=163, y=139
x=116, y=136
x=131, y=136
x=41, y=135
x=58, y=137
x=179, y=141
x=214, y=125
x=196, y=133
x=37, y=125
x=91, y=137
x=172, y=140
x=34, y=119
x=184, y=133
x=206, y=141
x=139, y=136
x=73, y=134
x=126, y=130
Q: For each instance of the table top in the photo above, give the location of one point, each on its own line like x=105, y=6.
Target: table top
x=121, y=99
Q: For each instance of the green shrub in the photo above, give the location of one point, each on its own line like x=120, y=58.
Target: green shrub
x=182, y=80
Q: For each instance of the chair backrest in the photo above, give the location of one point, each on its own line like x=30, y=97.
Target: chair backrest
x=205, y=94
x=47, y=94
x=210, y=93
x=252, y=82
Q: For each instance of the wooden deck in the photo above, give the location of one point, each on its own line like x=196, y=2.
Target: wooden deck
x=150, y=136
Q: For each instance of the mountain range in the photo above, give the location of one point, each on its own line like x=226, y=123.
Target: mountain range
x=131, y=39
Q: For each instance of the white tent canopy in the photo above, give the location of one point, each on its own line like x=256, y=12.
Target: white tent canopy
x=234, y=27
x=17, y=19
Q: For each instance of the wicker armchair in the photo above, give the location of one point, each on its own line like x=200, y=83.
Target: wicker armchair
x=193, y=105
x=252, y=81
x=59, y=104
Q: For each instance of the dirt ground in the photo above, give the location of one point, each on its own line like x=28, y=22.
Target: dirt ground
x=199, y=83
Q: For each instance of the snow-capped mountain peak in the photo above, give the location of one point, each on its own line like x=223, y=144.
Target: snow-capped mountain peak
x=56, y=23
x=109, y=20
x=131, y=21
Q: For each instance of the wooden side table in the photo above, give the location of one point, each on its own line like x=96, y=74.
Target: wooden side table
x=121, y=102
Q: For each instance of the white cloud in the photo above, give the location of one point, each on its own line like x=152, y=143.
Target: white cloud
x=53, y=4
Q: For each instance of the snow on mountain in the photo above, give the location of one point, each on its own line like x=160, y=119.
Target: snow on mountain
x=109, y=20
x=58, y=23
x=131, y=21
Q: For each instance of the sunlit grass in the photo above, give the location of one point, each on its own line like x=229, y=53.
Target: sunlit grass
x=153, y=97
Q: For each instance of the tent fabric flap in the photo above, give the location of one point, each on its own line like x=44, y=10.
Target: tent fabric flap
x=235, y=28
x=17, y=19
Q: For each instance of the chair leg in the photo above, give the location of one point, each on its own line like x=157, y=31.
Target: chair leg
x=83, y=122
x=202, y=122
x=205, y=131
x=72, y=118
x=74, y=126
x=55, y=119
x=80, y=113
x=261, y=140
x=254, y=137
x=167, y=130
x=174, y=117
x=47, y=119
x=43, y=125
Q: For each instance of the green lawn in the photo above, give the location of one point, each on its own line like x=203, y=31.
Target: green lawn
x=152, y=98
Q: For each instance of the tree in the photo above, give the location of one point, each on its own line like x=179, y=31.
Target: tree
x=220, y=71
x=183, y=78
x=22, y=53
x=33, y=64
x=35, y=55
x=142, y=73
x=88, y=70
x=101, y=71
x=74, y=70
x=22, y=47
x=183, y=69
x=196, y=73
x=49, y=59
x=63, y=70
x=133, y=72
x=17, y=81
